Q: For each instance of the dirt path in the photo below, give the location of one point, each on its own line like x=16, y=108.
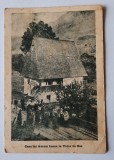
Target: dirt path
x=62, y=133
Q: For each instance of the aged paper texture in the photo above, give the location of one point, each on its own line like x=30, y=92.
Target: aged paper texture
x=54, y=80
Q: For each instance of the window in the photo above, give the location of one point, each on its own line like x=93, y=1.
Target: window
x=50, y=83
x=49, y=97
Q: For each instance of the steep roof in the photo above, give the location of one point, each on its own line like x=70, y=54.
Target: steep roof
x=50, y=59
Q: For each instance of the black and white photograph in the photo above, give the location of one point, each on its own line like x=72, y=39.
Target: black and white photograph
x=54, y=95
x=54, y=80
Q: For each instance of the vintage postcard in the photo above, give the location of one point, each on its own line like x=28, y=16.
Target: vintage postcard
x=54, y=80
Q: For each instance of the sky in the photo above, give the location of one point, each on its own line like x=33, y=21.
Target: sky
x=21, y=21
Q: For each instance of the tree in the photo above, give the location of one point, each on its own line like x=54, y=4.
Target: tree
x=17, y=62
x=76, y=97
x=89, y=63
x=39, y=29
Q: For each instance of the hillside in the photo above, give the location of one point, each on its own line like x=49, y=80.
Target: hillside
x=72, y=25
x=79, y=27
x=76, y=26
x=15, y=45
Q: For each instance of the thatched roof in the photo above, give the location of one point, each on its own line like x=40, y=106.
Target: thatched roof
x=50, y=59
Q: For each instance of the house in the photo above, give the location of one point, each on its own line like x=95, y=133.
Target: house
x=50, y=64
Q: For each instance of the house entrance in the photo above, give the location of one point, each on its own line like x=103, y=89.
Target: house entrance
x=49, y=97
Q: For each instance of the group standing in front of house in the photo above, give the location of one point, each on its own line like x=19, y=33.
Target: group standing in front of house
x=39, y=114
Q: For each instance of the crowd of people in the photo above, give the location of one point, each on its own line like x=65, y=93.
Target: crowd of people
x=38, y=113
